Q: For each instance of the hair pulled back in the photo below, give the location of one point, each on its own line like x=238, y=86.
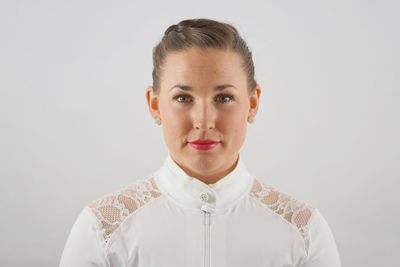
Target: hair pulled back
x=201, y=33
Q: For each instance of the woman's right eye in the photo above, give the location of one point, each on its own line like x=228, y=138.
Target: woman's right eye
x=182, y=98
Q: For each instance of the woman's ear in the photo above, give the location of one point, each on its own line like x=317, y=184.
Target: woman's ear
x=254, y=101
x=152, y=102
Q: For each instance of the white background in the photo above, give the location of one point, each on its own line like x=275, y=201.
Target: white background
x=75, y=125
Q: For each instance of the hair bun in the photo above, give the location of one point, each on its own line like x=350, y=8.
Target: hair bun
x=170, y=28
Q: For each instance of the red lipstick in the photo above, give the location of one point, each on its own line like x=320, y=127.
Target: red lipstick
x=204, y=144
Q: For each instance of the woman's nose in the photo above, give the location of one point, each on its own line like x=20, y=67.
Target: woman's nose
x=204, y=117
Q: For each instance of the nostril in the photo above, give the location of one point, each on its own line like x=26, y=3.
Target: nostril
x=199, y=125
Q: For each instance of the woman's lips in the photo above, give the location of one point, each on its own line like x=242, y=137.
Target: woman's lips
x=204, y=144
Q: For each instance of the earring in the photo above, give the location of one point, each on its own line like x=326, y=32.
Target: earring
x=250, y=119
x=157, y=121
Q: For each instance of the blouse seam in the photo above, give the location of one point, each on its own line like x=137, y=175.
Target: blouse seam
x=100, y=238
x=310, y=221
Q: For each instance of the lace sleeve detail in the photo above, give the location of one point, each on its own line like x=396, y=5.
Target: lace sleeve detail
x=113, y=208
x=294, y=211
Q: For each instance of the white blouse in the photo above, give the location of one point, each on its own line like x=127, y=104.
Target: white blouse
x=170, y=219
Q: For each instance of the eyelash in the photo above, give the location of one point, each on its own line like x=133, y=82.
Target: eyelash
x=223, y=95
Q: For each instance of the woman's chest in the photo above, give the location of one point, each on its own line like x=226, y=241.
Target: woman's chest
x=174, y=238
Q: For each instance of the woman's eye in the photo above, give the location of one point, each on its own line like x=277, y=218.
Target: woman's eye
x=225, y=98
x=182, y=98
x=185, y=99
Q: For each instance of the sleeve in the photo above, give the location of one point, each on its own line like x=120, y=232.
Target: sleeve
x=322, y=251
x=85, y=243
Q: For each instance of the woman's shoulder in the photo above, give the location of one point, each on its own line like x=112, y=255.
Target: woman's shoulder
x=319, y=243
x=277, y=199
x=291, y=209
x=113, y=208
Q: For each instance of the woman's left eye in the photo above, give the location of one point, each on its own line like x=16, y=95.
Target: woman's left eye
x=224, y=98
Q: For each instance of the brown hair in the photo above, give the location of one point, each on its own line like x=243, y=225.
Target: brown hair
x=202, y=33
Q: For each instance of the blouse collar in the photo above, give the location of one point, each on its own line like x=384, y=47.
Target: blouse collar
x=195, y=194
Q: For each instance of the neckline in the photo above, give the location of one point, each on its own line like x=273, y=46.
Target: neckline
x=191, y=192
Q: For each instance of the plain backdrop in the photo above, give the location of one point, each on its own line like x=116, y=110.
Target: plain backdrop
x=74, y=124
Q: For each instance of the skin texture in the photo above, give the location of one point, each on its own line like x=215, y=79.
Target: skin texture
x=204, y=113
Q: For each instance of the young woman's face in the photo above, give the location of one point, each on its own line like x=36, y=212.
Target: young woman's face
x=204, y=96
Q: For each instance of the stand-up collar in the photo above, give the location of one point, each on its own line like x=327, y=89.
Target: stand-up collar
x=193, y=193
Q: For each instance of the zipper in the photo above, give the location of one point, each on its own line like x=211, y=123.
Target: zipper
x=207, y=222
x=207, y=209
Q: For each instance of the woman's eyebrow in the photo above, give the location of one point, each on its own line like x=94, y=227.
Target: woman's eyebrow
x=189, y=88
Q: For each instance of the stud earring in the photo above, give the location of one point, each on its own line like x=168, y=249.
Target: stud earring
x=157, y=121
x=250, y=119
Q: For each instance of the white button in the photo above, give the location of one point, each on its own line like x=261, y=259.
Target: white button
x=204, y=197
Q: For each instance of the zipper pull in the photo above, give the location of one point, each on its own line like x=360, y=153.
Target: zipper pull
x=206, y=207
x=207, y=220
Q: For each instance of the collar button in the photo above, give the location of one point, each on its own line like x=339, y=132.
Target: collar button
x=204, y=196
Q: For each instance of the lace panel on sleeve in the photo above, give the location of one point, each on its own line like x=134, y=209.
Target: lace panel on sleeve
x=113, y=208
x=292, y=210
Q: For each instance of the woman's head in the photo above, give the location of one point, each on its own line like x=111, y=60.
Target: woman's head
x=202, y=33
x=202, y=91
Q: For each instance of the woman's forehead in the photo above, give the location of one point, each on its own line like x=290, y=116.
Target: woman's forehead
x=196, y=63
x=202, y=59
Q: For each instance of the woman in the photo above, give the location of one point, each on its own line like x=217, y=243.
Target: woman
x=202, y=207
